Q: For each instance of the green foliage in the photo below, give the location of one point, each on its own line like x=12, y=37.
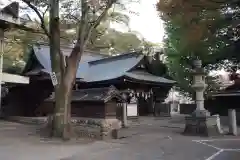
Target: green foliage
x=17, y=44
x=199, y=29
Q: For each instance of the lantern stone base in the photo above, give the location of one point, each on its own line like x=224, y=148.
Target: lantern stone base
x=202, y=126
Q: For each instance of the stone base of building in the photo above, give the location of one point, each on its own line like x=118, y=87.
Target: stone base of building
x=93, y=128
x=101, y=129
x=208, y=126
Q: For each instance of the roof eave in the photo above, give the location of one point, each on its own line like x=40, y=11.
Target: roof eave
x=148, y=82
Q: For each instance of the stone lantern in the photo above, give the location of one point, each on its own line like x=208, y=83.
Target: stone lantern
x=200, y=122
x=199, y=87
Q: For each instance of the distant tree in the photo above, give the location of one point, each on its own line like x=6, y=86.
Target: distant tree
x=205, y=29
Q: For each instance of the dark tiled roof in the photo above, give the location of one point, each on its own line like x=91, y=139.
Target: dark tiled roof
x=112, y=68
x=42, y=53
x=97, y=67
x=95, y=94
x=145, y=76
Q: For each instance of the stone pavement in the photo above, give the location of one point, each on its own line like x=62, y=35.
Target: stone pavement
x=153, y=139
x=226, y=149
x=161, y=139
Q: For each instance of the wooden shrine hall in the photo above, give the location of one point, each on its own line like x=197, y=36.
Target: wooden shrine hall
x=129, y=73
x=90, y=103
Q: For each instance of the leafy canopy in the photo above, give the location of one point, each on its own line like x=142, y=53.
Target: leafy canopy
x=206, y=29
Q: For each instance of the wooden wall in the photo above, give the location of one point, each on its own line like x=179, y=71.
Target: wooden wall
x=84, y=109
x=23, y=100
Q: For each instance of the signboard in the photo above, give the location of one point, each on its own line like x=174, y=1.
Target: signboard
x=132, y=110
x=54, y=78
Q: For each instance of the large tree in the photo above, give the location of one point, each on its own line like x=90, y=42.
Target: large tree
x=87, y=15
x=207, y=29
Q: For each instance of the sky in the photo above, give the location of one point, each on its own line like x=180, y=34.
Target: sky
x=147, y=22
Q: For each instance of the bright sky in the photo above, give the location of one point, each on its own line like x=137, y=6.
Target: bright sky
x=147, y=22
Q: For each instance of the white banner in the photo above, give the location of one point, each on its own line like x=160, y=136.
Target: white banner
x=132, y=110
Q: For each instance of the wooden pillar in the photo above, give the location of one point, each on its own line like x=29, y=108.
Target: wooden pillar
x=124, y=107
x=124, y=111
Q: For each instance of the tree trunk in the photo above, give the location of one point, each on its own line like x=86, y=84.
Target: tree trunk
x=62, y=120
x=63, y=106
x=63, y=101
x=59, y=109
x=66, y=75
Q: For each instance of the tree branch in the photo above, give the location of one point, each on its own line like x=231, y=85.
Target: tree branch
x=99, y=19
x=82, y=28
x=84, y=22
x=39, y=16
x=44, y=13
x=85, y=30
x=108, y=6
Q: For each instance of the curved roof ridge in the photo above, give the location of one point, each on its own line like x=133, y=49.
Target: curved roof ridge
x=121, y=56
x=143, y=75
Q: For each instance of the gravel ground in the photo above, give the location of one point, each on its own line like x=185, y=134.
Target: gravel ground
x=154, y=139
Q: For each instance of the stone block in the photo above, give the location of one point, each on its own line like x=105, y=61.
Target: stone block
x=101, y=129
x=202, y=126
